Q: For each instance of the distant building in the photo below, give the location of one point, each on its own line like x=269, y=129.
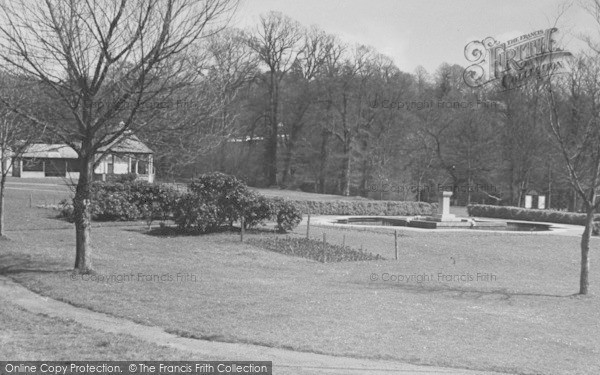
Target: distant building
x=126, y=155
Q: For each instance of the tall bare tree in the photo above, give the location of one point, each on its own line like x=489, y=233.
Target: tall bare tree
x=277, y=43
x=317, y=45
x=102, y=61
x=350, y=105
x=573, y=106
x=15, y=135
x=224, y=65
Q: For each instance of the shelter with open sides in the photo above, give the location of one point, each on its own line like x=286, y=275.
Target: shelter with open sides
x=126, y=155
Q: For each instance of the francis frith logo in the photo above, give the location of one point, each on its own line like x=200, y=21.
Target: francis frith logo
x=515, y=62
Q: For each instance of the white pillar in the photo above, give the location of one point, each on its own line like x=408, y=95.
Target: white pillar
x=444, y=205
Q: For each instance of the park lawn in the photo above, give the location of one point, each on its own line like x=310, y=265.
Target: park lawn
x=26, y=336
x=300, y=195
x=213, y=287
x=526, y=320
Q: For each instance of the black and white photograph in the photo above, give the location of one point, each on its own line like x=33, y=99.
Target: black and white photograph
x=286, y=187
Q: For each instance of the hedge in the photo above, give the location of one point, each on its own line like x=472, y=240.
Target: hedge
x=386, y=208
x=518, y=213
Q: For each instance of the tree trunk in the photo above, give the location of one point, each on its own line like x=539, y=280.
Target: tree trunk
x=271, y=146
x=585, y=249
x=325, y=135
x=287, y=166
x=512, y=185
x=2, y=185
x=82, y=215
x=365, y=166
x=346, y=167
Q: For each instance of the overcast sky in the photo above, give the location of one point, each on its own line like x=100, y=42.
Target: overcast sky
x=426, y=32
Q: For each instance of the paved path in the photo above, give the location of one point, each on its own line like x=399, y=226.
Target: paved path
x=284, y=361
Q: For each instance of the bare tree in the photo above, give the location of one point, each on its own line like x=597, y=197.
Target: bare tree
x=15, y=136
x=102, y=61
x=224, y=65
x=573, y=105
x=308, y=65
x=277, y=43
x=325, y=118
x=350, y=104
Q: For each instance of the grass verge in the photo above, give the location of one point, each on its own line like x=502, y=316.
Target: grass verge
x=488, y=301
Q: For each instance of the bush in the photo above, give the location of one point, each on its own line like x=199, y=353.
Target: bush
x=287, y=214
x=113, y=202
x=193, y=214
x=153, y=200
x=518, y=213
x=256, y=209
x=65, y=210
x=126, y=201
x=226, y=192
x=385, y=208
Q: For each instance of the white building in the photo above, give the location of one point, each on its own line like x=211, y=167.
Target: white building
x=126, y=155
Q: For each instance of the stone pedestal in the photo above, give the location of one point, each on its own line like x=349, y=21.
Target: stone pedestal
x=444, y=204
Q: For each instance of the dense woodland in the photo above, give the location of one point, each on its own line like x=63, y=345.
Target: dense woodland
x=294, y=107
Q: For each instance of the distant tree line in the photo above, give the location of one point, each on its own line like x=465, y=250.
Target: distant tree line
x=297, y=108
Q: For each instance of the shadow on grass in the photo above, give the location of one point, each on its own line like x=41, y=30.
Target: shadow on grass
x=171, y=231
x=14, y=264
x=502, y=294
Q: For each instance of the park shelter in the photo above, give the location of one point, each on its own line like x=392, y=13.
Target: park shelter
x=126, y=155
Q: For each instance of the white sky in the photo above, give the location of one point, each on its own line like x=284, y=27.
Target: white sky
x=427, y=32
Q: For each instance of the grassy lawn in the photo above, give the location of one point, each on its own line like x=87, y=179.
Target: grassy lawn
x=523, y=319
x=292, y=194
x=30, y=337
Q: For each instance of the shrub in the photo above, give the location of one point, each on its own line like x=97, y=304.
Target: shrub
x=386, y=208
x=256, y=209
x=153, y=200
x=65, y=210
x=224, y=191
x=287, y=214
x=193, y=214
x=518, y=213
x=113, y=202
x=126, y=201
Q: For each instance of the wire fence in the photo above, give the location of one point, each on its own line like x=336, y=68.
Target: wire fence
x=387, y=243
x=23, y=197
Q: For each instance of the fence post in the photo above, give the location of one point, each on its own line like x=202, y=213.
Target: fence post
x=344, y=241
x=396, y=243
x=308, y=226
x=30, y=200
x=242, y=228
x=324, y=242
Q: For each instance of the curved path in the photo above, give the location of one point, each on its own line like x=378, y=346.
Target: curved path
x=284, y=361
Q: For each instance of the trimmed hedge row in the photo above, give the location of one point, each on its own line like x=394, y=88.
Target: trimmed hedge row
x=387, y=208
x=518, y=213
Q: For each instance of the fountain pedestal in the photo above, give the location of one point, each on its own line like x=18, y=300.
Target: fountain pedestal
x=444, y=219
x=444, y=203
